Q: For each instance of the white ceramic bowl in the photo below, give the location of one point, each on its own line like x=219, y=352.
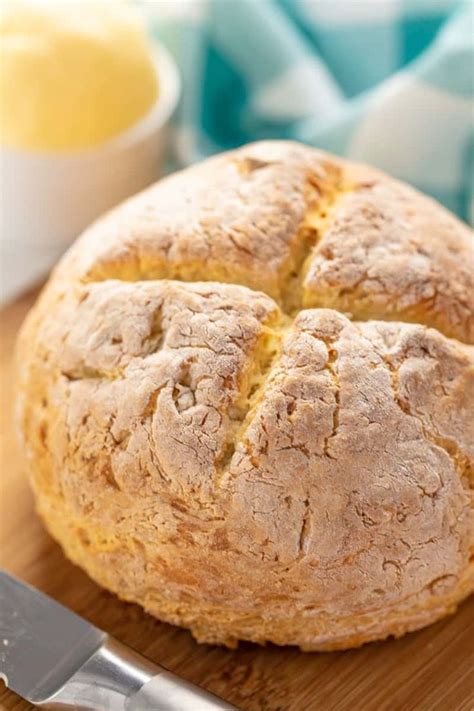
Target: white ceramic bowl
x=47, y=199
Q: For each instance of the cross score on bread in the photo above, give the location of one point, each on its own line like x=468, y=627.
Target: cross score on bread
x=244, y=399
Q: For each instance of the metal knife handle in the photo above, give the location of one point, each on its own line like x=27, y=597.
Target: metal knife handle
x=167, y=692
x=115, y=678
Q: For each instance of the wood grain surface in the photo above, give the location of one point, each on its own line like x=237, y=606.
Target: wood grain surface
x=431, y=670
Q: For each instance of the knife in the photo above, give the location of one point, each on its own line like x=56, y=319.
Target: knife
x=55, y=659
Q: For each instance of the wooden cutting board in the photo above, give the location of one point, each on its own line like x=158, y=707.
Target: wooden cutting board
x=431, y=670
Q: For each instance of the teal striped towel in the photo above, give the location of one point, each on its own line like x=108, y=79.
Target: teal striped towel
x=387, y=82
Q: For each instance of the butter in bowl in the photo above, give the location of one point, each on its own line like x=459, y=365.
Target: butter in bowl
x=86, y=100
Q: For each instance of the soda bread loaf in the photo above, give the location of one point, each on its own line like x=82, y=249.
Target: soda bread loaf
x=244, y=400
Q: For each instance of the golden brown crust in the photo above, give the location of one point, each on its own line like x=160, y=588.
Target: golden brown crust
x=391, y=253
x=236, y=464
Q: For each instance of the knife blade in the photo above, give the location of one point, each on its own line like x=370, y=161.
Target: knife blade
x=41, y=642
x=53, y=658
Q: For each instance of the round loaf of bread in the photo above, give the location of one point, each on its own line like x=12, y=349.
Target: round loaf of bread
x=245, y=401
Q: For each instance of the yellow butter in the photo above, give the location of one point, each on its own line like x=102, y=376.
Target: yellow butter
x=72, y=74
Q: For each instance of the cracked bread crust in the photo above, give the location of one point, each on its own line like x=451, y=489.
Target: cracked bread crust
x=255, y=465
